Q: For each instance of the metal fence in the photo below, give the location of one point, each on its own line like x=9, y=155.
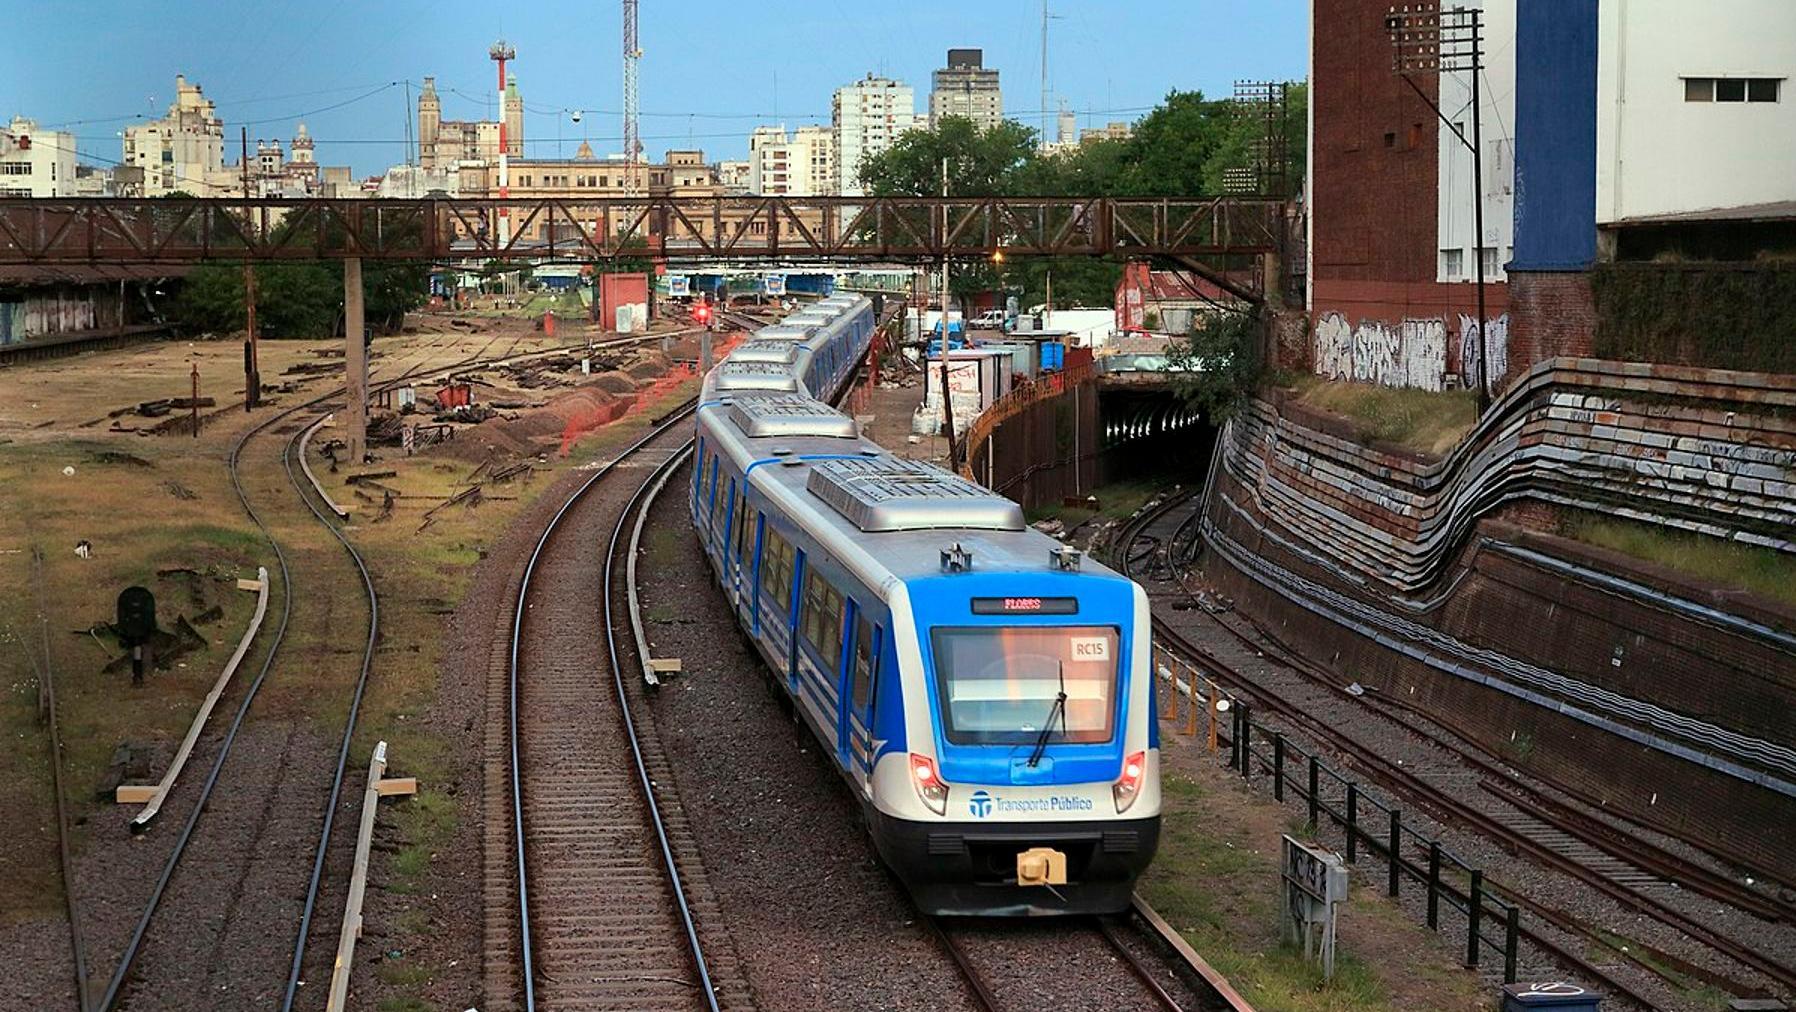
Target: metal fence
x=1261, y=753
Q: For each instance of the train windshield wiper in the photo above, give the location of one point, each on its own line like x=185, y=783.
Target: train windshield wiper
x=1047, y=727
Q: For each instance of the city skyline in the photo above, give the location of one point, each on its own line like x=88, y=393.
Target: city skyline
x=359, y=99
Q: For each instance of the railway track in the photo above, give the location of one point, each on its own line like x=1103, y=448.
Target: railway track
x=610, y=902
x=115, y=991
x=1542, y=829
x=1157, y=969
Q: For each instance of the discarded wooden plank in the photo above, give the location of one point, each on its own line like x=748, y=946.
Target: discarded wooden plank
x=305, y=465
x=357, y=479
x=358, y=876
x=1224, y=989
x=400, y=786
x=130, y=794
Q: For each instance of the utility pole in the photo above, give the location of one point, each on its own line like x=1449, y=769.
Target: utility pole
x=1429, y=40
x=252, y=373
x=355, y=359
x=947, y=399
x=1044, y=73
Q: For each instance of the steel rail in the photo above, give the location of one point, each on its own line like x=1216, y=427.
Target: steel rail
x=1604, y=837
x=66, y=863
x=134, y=945
x=638, y=501
x=349, y=724
x=1142, y=971
x=981, y=991
x=1406, y=782
x=517, y=636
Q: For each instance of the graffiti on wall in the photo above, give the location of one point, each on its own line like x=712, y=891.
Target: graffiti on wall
x=1469, y=349
x=1410, y=354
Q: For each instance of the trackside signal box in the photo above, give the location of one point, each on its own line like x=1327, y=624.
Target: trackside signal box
x=1558, y=995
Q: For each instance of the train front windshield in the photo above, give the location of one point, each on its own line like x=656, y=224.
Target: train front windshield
x=1000, y=685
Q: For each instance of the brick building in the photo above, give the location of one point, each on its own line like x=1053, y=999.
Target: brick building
x=1390, y=298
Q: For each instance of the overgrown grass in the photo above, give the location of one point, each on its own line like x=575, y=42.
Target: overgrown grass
x=1113, y=501
x=1430, y=422
x=1763, y=571
x=1210, y=888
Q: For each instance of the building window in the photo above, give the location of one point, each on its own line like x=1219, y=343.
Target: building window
x=1487, y=257
x=1732, y=89
x=15, y=168
x=1452, y=263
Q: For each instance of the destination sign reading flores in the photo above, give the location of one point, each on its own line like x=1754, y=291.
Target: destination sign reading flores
x=1025, y=606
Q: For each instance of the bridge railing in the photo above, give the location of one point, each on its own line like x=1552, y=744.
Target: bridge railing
x=189, y=230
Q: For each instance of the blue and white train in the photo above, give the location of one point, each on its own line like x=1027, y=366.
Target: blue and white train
x=985, y=691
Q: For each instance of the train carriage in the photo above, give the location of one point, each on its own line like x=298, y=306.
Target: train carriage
x=985, y=692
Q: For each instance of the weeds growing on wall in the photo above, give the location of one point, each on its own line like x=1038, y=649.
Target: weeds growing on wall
x=1718, y=316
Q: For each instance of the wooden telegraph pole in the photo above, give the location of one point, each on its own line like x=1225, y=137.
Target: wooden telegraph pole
x=252, y=372
x=355, y=358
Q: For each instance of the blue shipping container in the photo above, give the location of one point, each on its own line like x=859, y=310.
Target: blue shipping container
x=1053, y=356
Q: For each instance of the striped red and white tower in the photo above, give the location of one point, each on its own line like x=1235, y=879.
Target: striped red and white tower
x=502, y=52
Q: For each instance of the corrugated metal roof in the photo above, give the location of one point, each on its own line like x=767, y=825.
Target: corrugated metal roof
x=95, y=274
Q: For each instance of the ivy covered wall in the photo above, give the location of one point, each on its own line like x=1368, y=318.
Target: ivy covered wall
x=1714, y=315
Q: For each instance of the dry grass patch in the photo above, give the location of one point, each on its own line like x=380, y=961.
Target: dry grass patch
x=1215, y=879
x=1426, y=421
x=1763, y=571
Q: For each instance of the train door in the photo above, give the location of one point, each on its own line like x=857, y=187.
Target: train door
x=739, y=521
x=859, y=671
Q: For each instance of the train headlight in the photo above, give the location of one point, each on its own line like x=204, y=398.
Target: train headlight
x=929, y=783
x=1126, y=789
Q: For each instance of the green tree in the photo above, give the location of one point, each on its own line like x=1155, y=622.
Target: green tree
x=981, y=163
x=1219, y=365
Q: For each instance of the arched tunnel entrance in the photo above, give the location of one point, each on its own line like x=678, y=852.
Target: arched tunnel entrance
x=1069, y=444
x=1151, y=435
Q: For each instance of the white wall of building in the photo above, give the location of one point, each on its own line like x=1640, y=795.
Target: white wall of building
x=182, y=151
x=868, y=116
x=1496, y=100
x=36, y=163
x=1659, y=153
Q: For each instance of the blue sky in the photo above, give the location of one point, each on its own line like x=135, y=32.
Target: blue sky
x=711, y=70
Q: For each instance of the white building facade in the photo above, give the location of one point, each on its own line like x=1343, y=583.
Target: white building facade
x=801, y=165
x=182, y=151
x=36, y=163
x=1496, y=102
x=1694, y=107
x=868, y=116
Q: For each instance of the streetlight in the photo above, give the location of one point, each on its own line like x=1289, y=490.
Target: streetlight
x=1426, y=39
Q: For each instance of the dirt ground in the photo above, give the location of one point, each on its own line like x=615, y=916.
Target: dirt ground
x=159, y=510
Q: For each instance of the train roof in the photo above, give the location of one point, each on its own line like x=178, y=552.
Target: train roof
x=734, y=375
x=785, y=332
x=756, y=350
x=852, y=493
x=884, y=517
x=789, y=415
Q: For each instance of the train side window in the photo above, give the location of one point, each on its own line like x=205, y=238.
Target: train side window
x=720, y=499
x=820, y=620
x=698, y=474
x=777, y=562
x=866, y=656
x=742, y=526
